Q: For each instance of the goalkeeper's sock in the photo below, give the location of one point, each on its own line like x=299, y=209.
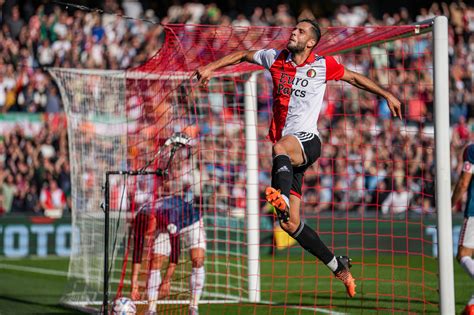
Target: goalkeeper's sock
x=309, y=240
x=196, y=283
x=153, y=286
x=468, y=264
x=282, y=175
x=334, y=265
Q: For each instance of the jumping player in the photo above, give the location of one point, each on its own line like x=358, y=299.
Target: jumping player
x=466, y=237
x=299, y=83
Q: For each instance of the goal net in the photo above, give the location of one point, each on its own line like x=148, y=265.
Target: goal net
x=353, y=196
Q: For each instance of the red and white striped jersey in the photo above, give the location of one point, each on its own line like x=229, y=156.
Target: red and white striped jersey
x=298, y=90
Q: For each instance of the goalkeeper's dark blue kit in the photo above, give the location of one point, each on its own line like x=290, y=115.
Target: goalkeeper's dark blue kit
x=468, y=160
x=172, y=213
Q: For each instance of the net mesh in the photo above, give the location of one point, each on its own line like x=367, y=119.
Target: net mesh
x=370, y=195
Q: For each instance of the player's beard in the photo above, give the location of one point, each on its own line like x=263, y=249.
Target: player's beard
x=295, y=47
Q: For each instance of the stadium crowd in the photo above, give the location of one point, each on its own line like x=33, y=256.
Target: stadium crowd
x=34, y=172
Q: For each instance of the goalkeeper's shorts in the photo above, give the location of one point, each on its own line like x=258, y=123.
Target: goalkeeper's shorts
x=466, y=236
x=192, y=236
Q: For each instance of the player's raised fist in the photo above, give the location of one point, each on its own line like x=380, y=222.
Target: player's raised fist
x=202, y=75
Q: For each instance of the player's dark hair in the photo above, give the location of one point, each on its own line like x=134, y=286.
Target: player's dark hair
x=315, y=27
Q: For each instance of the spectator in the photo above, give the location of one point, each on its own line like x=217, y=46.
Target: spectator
x=64, y=176
x=15, y=22
x=241, y=20
x=258, y=18
x=397, y=201
x=53, y=103
x=9, y=191
x=45, y=53
x=461, y=129
x=53, y=199
x=31, y=201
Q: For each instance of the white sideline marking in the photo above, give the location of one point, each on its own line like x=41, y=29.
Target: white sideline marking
x=184, y=302
x=65, y=274
x=143, y=302
x=34, y=269
x=46, y=271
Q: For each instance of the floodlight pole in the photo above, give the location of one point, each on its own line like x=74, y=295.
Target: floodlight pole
x=443, y=169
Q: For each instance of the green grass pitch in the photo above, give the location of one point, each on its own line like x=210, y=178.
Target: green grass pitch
x=37, y=292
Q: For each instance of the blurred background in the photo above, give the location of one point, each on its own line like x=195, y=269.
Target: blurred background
x=34, y=161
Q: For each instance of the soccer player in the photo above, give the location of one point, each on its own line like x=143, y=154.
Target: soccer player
x=299, y=82
x=466, y=237
x=170, y=219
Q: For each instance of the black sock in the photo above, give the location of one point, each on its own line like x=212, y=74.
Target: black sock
x=282, y=174
x=310, y=241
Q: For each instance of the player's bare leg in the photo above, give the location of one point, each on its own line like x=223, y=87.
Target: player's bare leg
x=196, y=281
x=464, y=258
x=154, y=281
x=294, y=216
x=143, y=237
x=135, y=291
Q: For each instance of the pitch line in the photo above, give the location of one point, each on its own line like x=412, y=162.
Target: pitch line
x=34, y=270
x=46, y=271
x=65, y=274
x=204, y=302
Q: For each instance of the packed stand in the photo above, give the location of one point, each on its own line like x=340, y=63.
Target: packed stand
x=35, y=172
x=49, y=35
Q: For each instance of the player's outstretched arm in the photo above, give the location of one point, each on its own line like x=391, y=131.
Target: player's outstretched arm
x=362, y=82
x=204, y=74
x=165, y=285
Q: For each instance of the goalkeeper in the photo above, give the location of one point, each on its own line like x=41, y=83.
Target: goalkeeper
x=169, y=219
x=299, y=83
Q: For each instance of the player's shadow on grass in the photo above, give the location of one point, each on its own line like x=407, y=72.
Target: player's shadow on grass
x=59, y=307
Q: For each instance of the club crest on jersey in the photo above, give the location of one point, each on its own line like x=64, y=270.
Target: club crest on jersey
x=311, y=73
x=467, y=167
x=172, y=228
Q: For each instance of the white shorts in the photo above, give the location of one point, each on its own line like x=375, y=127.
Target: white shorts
x=193, y=236
x=466, y=236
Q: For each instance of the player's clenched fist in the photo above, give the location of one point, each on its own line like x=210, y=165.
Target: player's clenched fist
x=203, y=75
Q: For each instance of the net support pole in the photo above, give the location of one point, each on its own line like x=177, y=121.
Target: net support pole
x=106, y=208
x=253, y=207
x=443, y=171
